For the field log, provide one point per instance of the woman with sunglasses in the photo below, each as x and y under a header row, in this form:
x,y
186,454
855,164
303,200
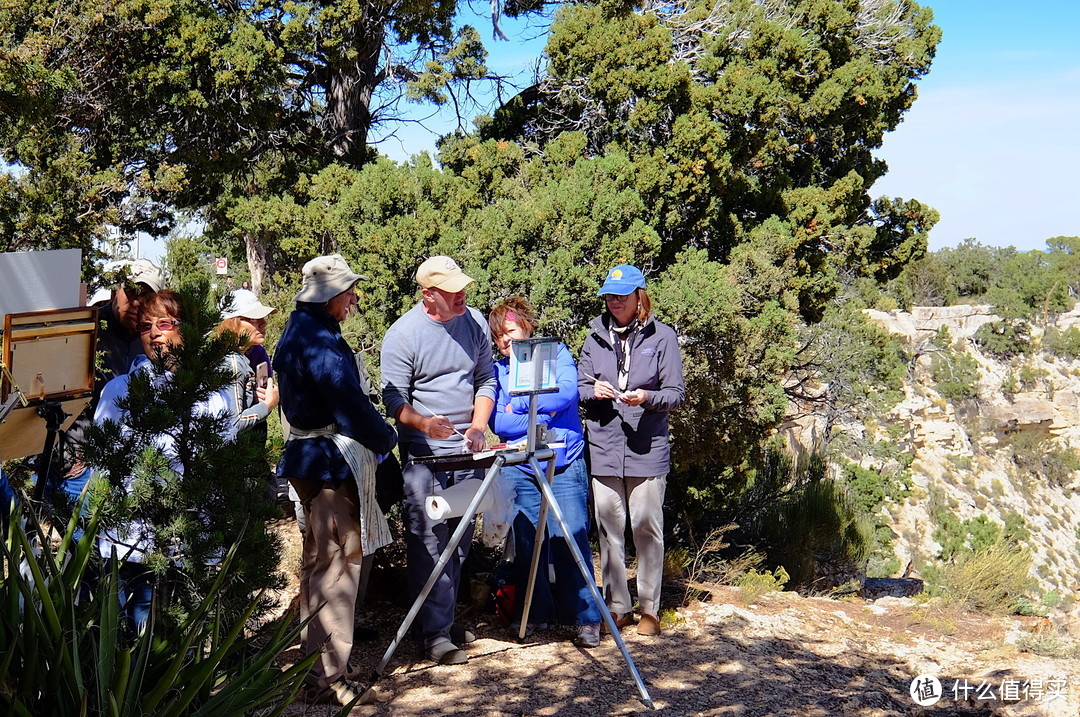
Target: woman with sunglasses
x,y
253,394
159,331
629,379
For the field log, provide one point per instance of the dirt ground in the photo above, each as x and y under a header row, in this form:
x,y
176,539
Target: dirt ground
x,y
733,654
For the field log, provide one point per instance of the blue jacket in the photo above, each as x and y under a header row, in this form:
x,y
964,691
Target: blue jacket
x,y
319,384
557,410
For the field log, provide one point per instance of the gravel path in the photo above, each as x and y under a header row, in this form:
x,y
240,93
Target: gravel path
x,y
782,655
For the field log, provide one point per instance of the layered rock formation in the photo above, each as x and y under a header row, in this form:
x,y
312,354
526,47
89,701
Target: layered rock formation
x,y
996,454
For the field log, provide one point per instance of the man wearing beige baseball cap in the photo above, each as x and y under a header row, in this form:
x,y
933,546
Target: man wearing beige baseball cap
x,y
439,384
330,458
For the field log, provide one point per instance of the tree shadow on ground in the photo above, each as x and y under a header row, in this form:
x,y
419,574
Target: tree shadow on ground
x,y
710,670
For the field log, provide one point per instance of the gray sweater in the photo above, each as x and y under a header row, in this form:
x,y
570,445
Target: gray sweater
x,y
444,365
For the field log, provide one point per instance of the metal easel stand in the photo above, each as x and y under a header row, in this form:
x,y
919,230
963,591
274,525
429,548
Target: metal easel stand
x,y
590,580
531,455
444,559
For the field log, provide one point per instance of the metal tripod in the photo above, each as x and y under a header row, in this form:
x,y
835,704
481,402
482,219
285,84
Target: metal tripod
x,y
532,455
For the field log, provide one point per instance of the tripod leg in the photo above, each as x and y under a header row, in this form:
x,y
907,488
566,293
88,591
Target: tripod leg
x,y
590,580
541,529
444,559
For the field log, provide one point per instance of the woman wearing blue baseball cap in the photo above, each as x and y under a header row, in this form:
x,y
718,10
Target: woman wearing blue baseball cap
x,y
629,379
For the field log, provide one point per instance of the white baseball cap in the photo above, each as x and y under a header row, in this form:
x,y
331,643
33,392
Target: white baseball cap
x,y
246,305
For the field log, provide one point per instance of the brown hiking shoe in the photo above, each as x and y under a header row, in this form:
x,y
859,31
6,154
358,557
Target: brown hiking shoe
x,y
340,692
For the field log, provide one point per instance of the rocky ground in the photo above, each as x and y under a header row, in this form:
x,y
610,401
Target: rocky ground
x,y
740,655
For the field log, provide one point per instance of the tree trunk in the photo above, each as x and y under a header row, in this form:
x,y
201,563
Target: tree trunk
x,y
351,84
258,259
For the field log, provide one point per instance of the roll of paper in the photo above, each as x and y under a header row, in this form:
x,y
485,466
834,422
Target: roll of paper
x,y
454,501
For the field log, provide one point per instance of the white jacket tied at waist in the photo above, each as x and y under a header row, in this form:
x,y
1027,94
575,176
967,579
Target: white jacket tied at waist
x,y
374,530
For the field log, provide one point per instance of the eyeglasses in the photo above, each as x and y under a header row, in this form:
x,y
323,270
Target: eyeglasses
x,y
163,325
621,298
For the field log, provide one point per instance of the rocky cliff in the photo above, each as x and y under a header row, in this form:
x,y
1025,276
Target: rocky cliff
x,y
1007,450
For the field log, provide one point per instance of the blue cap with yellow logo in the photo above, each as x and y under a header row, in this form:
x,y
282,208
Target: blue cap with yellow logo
x,y
623,279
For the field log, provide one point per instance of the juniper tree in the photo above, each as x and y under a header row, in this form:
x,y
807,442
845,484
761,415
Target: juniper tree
x,y
211,496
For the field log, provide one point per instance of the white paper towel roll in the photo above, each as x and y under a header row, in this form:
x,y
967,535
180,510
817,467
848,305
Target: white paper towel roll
x,y
454,501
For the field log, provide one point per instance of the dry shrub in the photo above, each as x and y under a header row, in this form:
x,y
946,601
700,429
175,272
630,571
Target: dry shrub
x,y
1049,645
990,580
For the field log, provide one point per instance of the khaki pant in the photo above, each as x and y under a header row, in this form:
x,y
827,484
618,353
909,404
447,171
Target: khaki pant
x,y
643,499
329,573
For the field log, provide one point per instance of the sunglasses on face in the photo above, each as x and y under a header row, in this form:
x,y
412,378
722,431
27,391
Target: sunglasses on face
x,y
163,325
620,298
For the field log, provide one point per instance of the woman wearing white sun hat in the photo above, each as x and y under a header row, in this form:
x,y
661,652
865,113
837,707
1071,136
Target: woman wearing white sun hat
x,y
253,394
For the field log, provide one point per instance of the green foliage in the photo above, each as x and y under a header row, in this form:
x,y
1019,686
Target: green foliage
x,y
742,120
122,114
991,579
1015,531
972,268
862,367
1031,375
955,375
753,584
925,282
1063,343
1041,457
736,174
186,261
546,226
983,565
942,338
799,518
979,534
64,651
210,497
1004,339
735,349
1017,285
869,488
1010,385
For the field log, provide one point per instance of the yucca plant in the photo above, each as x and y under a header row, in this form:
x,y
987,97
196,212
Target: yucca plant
x,y
63,650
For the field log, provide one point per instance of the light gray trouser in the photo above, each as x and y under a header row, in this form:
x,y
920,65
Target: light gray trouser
x,y
645,499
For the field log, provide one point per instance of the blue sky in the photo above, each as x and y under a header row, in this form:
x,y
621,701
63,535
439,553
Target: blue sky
x,y
991,143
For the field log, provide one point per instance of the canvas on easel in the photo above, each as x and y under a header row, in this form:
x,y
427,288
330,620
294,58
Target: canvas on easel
x,y
48,356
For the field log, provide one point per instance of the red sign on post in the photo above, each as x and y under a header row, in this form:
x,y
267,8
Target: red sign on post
x,y
222,266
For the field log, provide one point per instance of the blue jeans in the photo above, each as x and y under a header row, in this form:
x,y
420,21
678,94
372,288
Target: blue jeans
x,y
7,498
136,590
71,487
570,601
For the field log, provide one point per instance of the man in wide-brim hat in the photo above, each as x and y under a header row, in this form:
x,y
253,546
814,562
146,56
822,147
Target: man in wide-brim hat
x,y
330,458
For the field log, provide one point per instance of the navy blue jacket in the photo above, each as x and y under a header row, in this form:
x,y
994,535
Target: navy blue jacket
x,y
319,384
